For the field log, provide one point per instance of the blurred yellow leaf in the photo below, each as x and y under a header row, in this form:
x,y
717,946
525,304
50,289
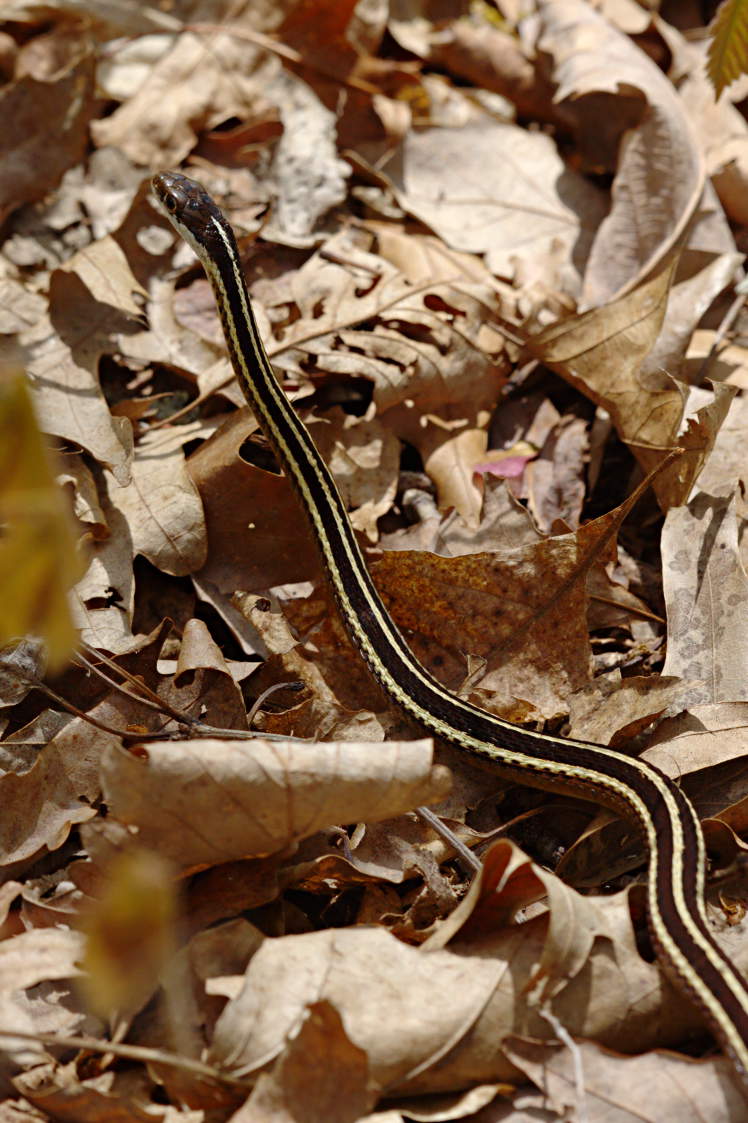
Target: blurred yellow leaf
x,y
38,558
129,933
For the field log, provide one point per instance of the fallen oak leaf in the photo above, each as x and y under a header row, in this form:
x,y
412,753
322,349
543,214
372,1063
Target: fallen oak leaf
x,y
524,611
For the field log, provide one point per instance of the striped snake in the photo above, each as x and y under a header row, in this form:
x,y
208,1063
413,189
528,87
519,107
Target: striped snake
x,y
677,917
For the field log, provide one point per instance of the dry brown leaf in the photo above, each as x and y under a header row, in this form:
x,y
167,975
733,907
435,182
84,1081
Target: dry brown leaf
x,y
428,347
102,602
501,608
554,481
601,353
363,456
54,98
322,1077
703,749
374,972
504,524
29,963
475,185
491,57
726,468
104,270
612,710
660,171
307,173
342,701
117,1097
63,374
528,595
161,506
43,804
157,126
424,349
203,682
254,525
708,264
74,470
425,259
507,883
166,340
229,890
19,307
201,803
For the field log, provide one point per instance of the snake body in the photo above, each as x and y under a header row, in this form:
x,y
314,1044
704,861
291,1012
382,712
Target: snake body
x,y
679,927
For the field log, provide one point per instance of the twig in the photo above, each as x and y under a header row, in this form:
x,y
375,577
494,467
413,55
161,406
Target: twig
x,y
132,1052
448,836
87,665
266,694
158,702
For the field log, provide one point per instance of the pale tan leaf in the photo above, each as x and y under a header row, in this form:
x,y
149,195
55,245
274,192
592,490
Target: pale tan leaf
x,y
167,340
507,883
162,506
204,802
428,346
102,601
202,680
726,465
601,354
307,170
124,1096
105,272
73,470
32,961
660,173
612,710
451,461
504,524
706,594
709,263
644,1089
63,374
704,736
157,127
475,186
19,307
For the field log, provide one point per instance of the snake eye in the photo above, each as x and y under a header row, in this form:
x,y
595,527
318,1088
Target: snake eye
x,y
171,204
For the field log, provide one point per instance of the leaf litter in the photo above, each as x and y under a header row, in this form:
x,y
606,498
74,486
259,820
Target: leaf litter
x,y
494,257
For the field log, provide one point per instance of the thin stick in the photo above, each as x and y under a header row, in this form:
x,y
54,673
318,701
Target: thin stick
x,y
132,1052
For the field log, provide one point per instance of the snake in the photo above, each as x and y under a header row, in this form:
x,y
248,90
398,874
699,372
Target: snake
x,y
679,928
